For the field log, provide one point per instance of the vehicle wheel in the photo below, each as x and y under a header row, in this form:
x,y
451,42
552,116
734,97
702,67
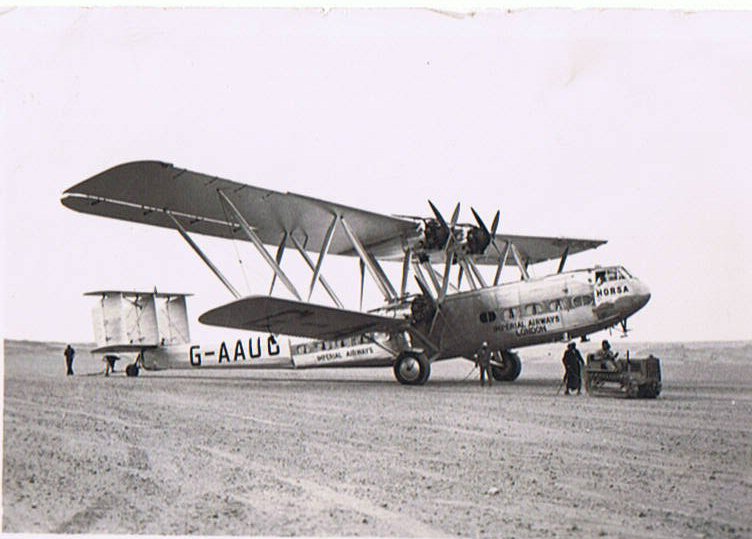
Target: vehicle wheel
x,y
412,369
131,370
649,391
510,368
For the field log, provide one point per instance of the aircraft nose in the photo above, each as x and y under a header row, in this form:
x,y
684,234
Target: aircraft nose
x,y
642,293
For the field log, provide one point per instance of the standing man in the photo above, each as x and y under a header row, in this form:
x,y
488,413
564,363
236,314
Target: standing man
x,y
483,361
110,364
69,354
573,364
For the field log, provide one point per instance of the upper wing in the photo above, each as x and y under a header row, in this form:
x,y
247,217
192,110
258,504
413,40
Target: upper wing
x,y
143,191
535,249
275,315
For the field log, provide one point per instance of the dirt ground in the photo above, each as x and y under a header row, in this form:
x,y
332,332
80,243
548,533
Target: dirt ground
x,y
351,452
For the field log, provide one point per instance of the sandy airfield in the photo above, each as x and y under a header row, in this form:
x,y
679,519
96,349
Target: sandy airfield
x,y
351,452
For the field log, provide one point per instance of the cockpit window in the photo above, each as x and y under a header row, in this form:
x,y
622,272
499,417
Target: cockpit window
x,y
610,274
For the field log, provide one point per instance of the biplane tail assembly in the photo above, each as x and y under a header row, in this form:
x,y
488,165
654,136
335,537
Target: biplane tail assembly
x,y
130,321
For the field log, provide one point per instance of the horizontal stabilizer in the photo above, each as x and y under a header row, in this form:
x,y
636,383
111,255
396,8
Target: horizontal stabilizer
x,y
122,348
275,315
136,293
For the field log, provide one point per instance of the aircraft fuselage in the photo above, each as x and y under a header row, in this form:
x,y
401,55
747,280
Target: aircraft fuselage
x,y
527,313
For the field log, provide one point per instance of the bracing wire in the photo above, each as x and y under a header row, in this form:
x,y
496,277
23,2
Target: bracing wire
x,y
234,244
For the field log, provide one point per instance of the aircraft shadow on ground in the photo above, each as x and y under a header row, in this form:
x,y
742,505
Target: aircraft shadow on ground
x,y
329,380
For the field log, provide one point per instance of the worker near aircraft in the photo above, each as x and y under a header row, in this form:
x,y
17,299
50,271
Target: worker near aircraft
x,y
607,355
573,364
110,364
483,362
69,354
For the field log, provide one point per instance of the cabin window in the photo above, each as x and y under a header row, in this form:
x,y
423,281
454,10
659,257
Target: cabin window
x,y
487,317
533,308
555,305
577,301
511,314
587,300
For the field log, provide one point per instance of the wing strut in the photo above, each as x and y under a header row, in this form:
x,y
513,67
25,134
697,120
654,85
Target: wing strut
x,y
323,281
563,259
322,254
476,271
432,274
470,277
278,258
259,245
373,268
502,262
421,280
405,270
520,264
200,253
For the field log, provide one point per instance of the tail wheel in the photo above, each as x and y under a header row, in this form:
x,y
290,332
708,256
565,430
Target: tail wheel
x,y
412,369
510,368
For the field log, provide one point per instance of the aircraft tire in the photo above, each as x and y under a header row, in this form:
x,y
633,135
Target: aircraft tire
x,y
131,370
412,369
511,368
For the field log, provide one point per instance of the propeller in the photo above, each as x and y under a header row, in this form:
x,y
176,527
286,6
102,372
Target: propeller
x,y
448,251
489,234
449,229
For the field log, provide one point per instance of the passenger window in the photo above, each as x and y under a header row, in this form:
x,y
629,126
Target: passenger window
x,y
577,301
554,305
483,318
511,314
587,300
533,308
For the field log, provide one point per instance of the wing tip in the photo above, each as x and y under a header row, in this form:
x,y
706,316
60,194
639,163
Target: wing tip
x,y
122,167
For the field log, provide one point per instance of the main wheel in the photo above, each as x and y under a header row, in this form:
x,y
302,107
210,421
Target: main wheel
x,y
510,368
131,369
412,369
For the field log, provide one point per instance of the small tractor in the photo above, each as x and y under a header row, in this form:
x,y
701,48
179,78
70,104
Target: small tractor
x,y
635,377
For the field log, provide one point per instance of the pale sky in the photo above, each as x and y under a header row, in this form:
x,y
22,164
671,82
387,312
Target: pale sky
x,y
630,126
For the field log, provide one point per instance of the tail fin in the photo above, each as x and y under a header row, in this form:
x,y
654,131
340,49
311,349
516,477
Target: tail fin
x,y
126,320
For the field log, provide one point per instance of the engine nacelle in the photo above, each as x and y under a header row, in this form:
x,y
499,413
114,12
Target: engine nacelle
x,y
422,310
434,236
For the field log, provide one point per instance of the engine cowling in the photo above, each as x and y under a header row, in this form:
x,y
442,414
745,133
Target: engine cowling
x,y
422,310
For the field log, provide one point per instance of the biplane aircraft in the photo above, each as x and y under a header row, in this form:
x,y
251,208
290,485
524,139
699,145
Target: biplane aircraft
x,y
413,329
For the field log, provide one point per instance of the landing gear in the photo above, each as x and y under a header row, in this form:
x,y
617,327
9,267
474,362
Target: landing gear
x,y
412,369
132,369
510,367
